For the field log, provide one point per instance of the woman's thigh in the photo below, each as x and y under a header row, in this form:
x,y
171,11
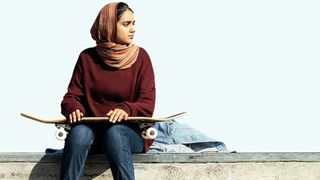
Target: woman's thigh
x,y
119,137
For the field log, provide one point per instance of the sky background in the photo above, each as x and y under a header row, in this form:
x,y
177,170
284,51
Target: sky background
x,y
247,72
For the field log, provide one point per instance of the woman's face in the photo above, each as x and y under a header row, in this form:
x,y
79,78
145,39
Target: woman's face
x,y
125,28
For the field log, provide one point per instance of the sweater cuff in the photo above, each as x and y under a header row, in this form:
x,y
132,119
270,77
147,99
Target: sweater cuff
x,y
70,109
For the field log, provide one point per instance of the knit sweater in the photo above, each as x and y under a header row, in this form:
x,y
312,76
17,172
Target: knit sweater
x,y
96,88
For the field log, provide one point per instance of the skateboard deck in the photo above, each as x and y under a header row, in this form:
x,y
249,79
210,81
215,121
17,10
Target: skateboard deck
x,y
147,131
137,119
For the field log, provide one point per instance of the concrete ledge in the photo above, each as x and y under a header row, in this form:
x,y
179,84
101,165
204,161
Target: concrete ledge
x,y
173,166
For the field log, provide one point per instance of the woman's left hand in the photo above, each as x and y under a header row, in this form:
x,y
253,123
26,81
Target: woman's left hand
x,y
117,115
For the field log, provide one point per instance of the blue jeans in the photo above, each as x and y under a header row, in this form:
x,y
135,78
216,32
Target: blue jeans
x,y
181,138
117,141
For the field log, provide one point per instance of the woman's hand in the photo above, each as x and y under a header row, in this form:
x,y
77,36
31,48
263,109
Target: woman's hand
x,y
75,116
117,115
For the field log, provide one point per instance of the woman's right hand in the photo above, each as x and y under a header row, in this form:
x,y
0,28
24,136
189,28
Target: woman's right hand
x,y
75,116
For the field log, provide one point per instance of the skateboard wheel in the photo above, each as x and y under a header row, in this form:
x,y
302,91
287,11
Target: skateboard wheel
x,y
61,134
151,133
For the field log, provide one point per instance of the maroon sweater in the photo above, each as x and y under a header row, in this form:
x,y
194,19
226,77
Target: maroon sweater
x,y
96,88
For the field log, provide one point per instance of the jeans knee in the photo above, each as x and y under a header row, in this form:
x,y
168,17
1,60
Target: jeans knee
x,y
80,136
115,138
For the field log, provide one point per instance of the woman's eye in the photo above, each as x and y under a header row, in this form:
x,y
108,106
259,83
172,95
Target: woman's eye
x,y
126,24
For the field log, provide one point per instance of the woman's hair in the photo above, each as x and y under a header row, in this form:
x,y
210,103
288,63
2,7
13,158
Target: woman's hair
x,y
122,7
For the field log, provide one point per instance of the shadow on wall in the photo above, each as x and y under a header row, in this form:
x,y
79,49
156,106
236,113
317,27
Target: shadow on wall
x,y
49,168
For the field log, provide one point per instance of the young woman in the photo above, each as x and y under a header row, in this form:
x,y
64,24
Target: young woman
x,y
115,79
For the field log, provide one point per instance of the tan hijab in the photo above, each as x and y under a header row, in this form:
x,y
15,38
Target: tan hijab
x,y
104,31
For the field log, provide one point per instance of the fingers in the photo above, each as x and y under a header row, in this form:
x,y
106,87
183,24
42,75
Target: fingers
x,y
109,113
75,116
117,115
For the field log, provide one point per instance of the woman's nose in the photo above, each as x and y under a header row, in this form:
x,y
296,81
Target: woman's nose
x,y
132,29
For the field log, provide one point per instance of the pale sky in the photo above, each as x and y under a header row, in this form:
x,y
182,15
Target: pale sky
x,y
247,72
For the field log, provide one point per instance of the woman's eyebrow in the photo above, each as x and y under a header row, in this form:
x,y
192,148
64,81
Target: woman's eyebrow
x,y
128,22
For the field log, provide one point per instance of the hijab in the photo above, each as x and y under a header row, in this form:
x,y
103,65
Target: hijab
x,y
104,31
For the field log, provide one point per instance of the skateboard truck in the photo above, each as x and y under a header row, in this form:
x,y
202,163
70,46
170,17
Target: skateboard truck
x,y
62,131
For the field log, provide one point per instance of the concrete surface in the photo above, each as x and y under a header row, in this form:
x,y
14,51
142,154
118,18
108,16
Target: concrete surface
x,y
213,166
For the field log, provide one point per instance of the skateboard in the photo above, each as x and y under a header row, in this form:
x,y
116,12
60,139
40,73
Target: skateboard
x,y
145,123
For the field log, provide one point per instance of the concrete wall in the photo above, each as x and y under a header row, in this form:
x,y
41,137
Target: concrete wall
x,y
242,166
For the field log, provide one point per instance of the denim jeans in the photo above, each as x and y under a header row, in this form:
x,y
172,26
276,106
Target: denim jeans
x,y
175,137
117,141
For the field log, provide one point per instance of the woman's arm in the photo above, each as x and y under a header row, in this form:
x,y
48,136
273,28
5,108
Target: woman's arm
x,y
73,99
144,102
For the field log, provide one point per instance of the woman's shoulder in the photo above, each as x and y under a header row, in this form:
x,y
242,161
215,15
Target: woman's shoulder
x,y
142,51
88,56
143,54
90,50
143,60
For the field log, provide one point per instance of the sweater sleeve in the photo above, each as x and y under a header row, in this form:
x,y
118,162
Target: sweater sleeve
x,y
72,100
144,102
